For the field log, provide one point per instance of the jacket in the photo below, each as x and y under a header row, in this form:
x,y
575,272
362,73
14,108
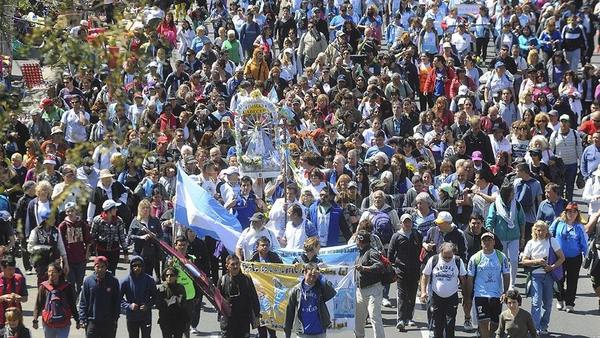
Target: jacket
x,y
404,253
100,299
573,243
141,246
70,299
76,237
175,313
370,258
337,223
499,227
311,44
140,290
406,127
325,292
455,236
272,257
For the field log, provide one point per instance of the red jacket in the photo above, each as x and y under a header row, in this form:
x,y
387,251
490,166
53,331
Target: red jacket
x,y
430,82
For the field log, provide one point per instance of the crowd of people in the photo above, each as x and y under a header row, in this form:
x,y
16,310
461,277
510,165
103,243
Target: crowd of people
x,y
448,137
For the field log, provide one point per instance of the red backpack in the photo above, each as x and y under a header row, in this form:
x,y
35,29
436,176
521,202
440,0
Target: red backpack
x,y
56,312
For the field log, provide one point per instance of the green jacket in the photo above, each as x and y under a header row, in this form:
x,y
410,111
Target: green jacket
x,y
499,226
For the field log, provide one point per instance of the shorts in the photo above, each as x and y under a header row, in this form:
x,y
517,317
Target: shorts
x,y
488,309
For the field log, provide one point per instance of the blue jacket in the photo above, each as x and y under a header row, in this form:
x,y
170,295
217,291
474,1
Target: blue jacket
x,y
573,243
244,209
99,300
140,290
337,223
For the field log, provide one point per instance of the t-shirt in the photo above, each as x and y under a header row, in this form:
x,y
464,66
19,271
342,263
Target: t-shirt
x,y
444,276
536,249
75,132
309,311
248,238
488,281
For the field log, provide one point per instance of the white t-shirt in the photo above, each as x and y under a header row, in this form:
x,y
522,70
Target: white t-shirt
x,y
444,277
75,132
295,235
248,238
536,249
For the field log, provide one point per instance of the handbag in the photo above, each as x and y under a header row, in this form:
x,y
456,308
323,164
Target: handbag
x,y
558,272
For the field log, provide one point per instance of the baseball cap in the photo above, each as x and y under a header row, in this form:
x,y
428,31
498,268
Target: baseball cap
x,y
50,160
109,204
405,217
477,156
162,139
443,217
487,234
231,171
499,64
572,206
352,184
70,205
56,130
46,102
553,112
100,259
564,117
341,78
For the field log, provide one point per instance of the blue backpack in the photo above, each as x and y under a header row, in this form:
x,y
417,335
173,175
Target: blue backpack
x,y
5,204
382,225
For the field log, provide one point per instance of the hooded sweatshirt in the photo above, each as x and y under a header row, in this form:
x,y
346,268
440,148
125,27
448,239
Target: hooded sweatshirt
x,y
140,290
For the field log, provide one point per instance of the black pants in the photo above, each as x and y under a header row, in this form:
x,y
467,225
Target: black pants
x,y
264,332
481,45
407,293
101,329
112,257
443,315
571,267
26,255
134,328
171,331
196,308
152,263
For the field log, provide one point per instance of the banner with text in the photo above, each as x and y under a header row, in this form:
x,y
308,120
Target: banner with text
x,y
274,282
333,255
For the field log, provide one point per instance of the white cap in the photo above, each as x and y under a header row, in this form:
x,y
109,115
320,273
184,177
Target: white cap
x,y
109,204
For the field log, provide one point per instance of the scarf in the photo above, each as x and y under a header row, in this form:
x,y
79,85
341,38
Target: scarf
x,y
501,211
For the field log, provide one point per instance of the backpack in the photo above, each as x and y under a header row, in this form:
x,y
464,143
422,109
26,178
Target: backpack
x,y
5,204
382,225
477,260
56,312
524,195
389,275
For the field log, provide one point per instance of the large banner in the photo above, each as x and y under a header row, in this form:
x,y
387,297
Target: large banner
x,y
334,255
273,283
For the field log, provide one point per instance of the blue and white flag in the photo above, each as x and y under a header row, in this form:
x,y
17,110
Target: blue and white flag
x,y
197,209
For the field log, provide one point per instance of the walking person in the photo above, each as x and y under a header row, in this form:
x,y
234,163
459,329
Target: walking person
x,y
570,234
46,246
76,238
100,302
369,289
170,299
138,294
536,256
488,279
307,314
514,321
56,303
403,252
238,289
439,284
108,232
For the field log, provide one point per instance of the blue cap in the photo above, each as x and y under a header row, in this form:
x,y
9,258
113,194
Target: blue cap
x,y
499,64
341,78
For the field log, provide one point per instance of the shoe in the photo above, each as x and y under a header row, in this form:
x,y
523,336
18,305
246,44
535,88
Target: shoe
x,y
431,334
569,308
560,305
543,331
386,302
194,330
410,323
400,326
467,325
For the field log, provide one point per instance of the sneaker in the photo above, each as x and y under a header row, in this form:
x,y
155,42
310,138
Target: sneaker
x,y
386,302
400,326
431,334
543,331
560,305
410,323
569,308
193,330
468,326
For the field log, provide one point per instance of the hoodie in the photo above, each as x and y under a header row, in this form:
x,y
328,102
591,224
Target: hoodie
x,y
140,290
99,299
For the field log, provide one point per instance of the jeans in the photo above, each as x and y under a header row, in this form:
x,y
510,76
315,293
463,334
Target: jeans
x,y
573,58
542,294
50,332
368,301
134,328
571,267
443,314
511,250
102,329
407,293
570,174
76,274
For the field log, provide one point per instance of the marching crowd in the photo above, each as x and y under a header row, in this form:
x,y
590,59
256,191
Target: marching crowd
x,y
451,163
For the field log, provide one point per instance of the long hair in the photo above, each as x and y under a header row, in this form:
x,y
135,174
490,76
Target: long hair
x,y
539,225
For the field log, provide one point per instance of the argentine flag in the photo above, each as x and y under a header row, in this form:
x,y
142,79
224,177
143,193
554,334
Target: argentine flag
x,y
197,209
